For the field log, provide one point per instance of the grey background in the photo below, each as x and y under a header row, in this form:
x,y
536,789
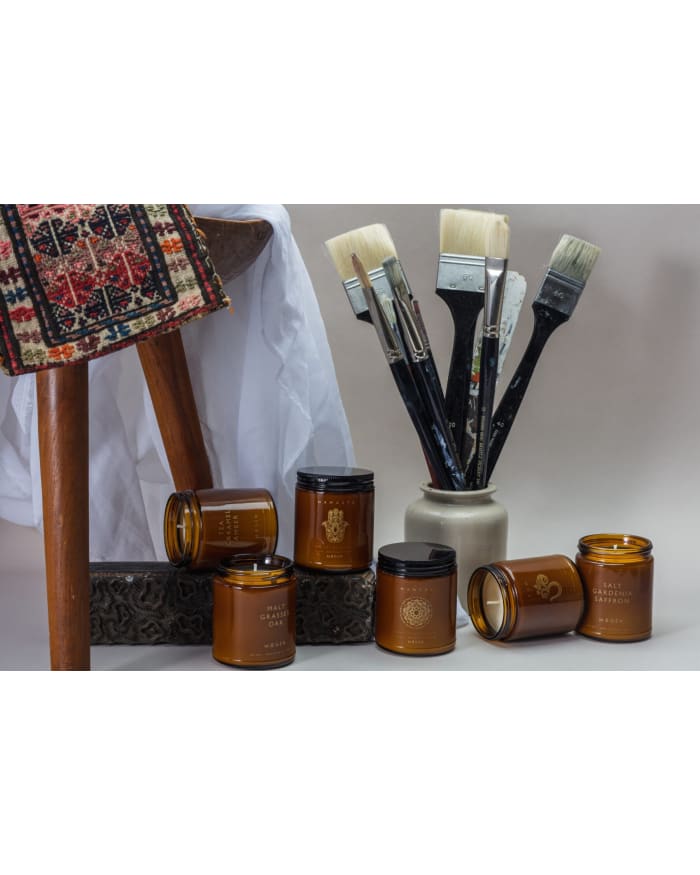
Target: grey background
x,y
605,441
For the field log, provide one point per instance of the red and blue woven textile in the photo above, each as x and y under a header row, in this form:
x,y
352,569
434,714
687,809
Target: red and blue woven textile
x,y
81,280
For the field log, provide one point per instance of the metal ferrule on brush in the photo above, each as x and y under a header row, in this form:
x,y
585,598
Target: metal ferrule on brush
x,y
386,330
402,293
356,296
496,269
415,348
463,273
560,292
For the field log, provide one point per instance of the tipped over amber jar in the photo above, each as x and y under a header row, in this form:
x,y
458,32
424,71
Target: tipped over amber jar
x,y
618,579
254,616
416,599
525,598
205,527
334,519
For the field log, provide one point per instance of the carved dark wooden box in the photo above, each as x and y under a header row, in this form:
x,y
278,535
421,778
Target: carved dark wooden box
x,y
154,603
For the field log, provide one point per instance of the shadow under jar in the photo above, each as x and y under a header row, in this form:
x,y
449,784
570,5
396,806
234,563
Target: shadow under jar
x,y
525,598
334,519
254,615
205,527
416,599
618,578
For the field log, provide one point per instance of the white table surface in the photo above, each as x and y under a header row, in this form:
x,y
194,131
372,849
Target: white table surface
x,y
675,644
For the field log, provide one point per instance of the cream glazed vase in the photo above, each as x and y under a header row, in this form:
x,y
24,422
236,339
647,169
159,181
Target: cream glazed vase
x,y
472,523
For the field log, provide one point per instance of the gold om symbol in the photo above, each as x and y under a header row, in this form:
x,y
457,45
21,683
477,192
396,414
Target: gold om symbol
x,y
544,587
335,526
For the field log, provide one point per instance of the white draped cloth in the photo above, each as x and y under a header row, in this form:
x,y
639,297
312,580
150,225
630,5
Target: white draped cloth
x,y
266,392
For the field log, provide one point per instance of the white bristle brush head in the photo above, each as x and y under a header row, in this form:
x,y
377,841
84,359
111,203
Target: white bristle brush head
x,y
467,232
575,258
498,238
372,244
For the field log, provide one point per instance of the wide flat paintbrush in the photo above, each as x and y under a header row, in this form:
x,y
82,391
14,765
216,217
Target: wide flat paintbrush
x,y
572,263
374,246
496,266
383,315
460,284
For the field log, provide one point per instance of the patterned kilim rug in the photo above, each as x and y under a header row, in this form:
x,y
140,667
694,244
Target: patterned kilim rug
x,y
81,280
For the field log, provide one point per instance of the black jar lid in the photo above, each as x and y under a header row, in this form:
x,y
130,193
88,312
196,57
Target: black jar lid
x,y
336,479
417,559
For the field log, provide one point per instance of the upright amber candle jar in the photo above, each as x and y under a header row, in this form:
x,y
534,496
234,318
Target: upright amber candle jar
x,y
416,599
525,598
334,519
254,618
205,527
618,579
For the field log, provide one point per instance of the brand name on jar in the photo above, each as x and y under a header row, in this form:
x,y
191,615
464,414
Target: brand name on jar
x,y
342,502
274,615
422,590
275,645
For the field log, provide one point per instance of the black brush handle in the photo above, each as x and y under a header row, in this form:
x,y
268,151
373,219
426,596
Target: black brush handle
x,y
487,394
546,321
434,388
415,406
439,427
465,308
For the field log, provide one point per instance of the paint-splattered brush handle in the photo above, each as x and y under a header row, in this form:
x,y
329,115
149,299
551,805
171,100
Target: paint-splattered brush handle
x,y
465,309
546,321
487,395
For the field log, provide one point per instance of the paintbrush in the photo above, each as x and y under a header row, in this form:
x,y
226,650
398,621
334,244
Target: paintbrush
x,y
460,284
383,316
373,246
516,289
417,349
496,266
571,265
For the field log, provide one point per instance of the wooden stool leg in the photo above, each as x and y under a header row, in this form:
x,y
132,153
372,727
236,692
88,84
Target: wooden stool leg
x,y
165,368
62,395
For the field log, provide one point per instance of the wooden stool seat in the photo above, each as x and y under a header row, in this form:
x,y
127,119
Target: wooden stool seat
x,y
62,398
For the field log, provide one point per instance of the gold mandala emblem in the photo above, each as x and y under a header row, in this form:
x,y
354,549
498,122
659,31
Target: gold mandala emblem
x,y
335,526
416,612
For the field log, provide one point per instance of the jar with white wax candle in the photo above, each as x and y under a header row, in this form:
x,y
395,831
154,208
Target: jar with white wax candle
x,y
525,598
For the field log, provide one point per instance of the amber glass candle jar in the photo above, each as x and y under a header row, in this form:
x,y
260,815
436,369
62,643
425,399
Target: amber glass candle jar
x,y
205,527
334,519
525,598
416,598
618,578
254,618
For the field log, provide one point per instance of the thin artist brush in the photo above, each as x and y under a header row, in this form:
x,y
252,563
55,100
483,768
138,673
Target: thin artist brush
x,y
374,246
383,316
460,284
497,250
572,263
420,361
